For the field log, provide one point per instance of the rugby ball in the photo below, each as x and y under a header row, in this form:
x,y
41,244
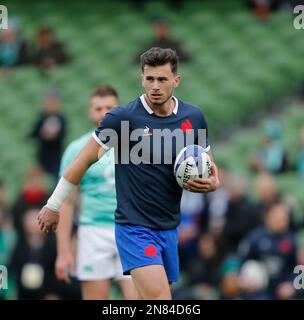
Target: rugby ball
x,y
192,162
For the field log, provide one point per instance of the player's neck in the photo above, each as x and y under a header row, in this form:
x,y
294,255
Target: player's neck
x,y
162,110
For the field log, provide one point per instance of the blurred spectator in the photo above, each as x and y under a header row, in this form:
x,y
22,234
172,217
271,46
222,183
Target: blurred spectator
x,y
203,271
2,196
241,216
217,203
162,39
192,205
13,49
229,284
33,195
49,131
301,154
7,232
262,8
32,264
49,52
267,193
253,280
272,156
275,247
266,190
8,238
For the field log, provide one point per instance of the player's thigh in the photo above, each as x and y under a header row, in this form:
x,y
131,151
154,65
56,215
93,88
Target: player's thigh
x,y
170,255
151,282
138,246
95,290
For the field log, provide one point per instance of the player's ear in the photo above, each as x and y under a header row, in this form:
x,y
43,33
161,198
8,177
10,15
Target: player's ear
x,y
177,80
142,80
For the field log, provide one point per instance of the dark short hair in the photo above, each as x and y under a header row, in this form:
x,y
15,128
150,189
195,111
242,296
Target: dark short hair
x,y
104,91
158,57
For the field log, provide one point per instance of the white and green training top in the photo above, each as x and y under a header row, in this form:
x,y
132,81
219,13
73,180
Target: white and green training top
x,y
97,187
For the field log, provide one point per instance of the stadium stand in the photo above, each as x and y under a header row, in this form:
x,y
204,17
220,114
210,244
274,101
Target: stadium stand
x,y
230,87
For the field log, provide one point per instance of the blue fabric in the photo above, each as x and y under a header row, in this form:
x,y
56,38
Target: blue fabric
x,y
147,193
140,246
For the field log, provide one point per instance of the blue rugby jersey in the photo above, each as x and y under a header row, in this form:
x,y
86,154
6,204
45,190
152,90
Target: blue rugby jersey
x,y
147,193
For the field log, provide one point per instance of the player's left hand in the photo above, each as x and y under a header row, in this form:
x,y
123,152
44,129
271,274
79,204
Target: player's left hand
x,y
202,185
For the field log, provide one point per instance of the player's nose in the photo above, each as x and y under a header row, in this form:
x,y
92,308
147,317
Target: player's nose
x,y
155,86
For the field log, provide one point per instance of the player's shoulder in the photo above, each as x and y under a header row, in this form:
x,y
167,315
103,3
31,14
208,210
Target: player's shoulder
x,y
132,106
190,108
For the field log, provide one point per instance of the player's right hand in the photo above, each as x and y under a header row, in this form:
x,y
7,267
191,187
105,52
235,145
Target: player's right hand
x,y
64,263
47,219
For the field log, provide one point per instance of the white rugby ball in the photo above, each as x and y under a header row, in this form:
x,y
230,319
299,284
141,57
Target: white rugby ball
x,y
192,162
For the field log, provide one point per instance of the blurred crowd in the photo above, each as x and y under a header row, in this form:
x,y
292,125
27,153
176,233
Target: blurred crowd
x,y
244,240
45,53
240,242
27,253
236,245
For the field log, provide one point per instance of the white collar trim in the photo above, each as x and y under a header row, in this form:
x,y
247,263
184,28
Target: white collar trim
x,y
150,111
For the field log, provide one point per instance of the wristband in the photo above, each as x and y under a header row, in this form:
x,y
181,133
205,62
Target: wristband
x,y
62,191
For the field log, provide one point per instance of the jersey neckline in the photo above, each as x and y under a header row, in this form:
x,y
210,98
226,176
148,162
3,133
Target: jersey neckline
x,y
150,111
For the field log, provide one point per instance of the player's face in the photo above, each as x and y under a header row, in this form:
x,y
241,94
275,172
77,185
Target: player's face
x,y
100,106
159,83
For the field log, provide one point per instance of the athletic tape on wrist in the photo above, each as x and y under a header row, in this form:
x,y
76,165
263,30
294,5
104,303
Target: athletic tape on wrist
x,y
62,191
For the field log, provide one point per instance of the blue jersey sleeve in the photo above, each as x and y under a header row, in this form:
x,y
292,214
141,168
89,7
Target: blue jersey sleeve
x,y
108,132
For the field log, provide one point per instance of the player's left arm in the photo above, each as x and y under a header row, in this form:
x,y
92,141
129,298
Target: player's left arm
x,y
203,185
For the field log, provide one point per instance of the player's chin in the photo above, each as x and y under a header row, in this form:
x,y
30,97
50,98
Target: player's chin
x,y
159,100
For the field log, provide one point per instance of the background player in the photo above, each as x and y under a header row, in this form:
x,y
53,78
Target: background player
x,y
97,256
148,210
